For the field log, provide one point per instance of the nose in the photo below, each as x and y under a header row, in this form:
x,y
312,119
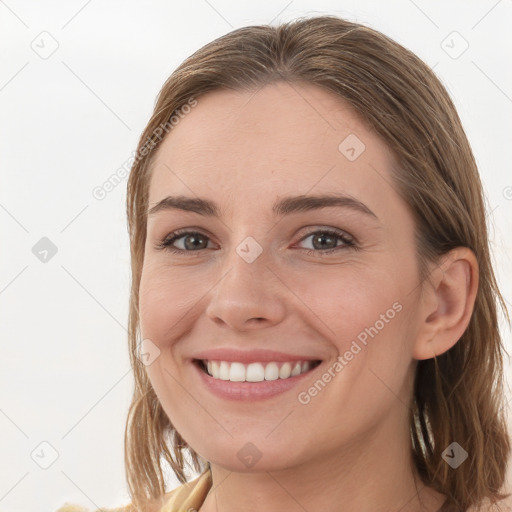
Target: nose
x,y
248,295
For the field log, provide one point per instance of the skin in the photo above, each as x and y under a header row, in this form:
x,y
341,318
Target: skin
x,y
349,447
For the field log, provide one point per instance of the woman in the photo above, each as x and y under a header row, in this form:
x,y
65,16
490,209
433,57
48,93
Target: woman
x,y
313,316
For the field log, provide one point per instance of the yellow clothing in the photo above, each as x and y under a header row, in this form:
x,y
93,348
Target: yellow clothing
x,y
186,498
190,496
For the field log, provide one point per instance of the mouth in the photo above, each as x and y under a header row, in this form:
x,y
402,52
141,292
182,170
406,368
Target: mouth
x,y
235,371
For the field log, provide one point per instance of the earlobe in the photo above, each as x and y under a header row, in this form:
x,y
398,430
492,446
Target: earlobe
x,y
449,293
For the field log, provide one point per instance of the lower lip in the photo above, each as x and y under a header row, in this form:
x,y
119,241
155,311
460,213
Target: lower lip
x,y
250,390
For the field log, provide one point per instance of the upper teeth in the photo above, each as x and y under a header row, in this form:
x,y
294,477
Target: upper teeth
x,y
255,372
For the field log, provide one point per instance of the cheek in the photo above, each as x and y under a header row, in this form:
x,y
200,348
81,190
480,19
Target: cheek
x,y
168,306
164,313
365,317
165,301
350,303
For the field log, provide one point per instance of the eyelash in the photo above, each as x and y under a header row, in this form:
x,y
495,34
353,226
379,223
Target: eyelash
x,y
348,242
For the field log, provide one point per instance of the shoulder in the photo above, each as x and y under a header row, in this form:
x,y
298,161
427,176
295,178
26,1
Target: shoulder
x,y
190,494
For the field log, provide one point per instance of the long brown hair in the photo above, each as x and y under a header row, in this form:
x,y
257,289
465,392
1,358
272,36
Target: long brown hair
x,y
458,396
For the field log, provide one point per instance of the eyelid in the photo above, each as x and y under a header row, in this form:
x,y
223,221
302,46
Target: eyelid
x,y
348,240
311,230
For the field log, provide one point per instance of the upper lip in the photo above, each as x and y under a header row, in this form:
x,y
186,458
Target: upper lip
x,y
250,356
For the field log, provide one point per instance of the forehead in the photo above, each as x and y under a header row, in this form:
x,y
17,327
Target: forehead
x,y
278,138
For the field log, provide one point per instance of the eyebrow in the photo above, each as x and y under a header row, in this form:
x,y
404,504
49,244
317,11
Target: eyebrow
x,y
284,206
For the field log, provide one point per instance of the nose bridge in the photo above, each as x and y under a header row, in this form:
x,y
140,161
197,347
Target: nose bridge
x,y
245,268
250,240
247,288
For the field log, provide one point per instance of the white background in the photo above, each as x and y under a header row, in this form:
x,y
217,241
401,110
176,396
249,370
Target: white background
x,y
70,120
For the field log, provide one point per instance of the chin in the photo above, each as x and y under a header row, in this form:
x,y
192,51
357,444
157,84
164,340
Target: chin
x,y
245,456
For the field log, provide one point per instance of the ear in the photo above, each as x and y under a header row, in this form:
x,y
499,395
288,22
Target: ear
x,y
448,298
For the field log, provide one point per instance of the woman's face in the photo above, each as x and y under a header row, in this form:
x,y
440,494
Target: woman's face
x,y
254,283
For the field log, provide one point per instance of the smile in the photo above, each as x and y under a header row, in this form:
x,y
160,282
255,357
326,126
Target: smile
x,y
256,371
